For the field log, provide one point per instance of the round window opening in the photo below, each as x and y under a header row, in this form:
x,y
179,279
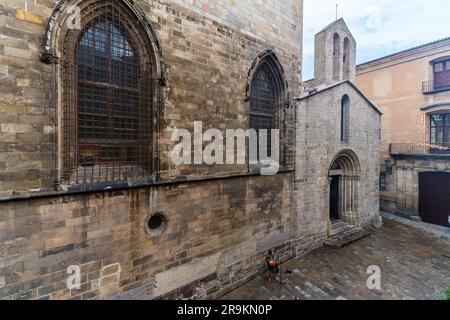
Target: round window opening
x,y
156,224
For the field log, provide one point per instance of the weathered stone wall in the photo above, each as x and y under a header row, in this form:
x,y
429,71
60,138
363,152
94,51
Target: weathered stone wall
x,y
208,48
319,142
215,236
26,116
218,229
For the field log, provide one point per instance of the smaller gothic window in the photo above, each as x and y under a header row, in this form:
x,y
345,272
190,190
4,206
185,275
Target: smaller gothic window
x,y
263,103
266,93
345,118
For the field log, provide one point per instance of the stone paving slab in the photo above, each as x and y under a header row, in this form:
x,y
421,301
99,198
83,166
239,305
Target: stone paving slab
x,y
415,265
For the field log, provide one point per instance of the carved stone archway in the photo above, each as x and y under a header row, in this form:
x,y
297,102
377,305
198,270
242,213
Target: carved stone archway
x,y
346,168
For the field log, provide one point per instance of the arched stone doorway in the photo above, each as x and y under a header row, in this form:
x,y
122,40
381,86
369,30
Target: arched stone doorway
x,y
344,174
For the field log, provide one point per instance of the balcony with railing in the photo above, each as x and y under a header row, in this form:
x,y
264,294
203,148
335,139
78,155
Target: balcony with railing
x,y
432,86
418,150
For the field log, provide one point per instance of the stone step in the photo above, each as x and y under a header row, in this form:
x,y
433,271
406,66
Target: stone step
x,y
337,225
340,227
346,238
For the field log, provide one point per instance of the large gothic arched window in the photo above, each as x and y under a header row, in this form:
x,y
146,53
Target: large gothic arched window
x,y
108,97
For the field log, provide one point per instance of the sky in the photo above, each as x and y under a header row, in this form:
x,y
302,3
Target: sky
x,y
380,27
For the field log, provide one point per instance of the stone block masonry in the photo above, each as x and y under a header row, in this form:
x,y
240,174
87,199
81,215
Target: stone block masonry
x,y
215,222
208,49
319,120
216,230
215,238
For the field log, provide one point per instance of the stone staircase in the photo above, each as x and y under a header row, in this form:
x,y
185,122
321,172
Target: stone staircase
x,y
343,234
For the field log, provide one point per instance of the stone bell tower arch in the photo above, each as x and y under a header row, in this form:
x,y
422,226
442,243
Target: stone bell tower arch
x,y
335,54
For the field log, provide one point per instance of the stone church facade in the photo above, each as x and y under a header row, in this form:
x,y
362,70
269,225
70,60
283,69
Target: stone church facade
x,y
338,141
87,111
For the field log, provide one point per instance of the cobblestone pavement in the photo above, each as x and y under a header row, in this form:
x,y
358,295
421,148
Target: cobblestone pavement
x,y
414,265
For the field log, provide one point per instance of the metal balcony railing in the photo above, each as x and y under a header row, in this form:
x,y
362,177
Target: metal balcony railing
x,y
412,149
432,86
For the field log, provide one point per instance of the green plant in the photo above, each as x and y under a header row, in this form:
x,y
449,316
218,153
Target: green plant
x,y
447,294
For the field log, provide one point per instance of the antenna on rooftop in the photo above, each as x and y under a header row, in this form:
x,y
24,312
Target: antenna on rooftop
x,y
337,11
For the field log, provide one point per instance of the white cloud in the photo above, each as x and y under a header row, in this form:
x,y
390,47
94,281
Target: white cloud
x,y
380,27
373,21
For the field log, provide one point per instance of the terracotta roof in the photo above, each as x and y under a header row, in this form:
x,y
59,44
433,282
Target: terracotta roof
x,y
429,44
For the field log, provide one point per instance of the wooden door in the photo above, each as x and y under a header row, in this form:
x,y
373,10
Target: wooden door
x,y
434,198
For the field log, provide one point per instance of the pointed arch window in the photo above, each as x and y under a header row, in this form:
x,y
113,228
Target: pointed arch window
x,y
109,105
345,119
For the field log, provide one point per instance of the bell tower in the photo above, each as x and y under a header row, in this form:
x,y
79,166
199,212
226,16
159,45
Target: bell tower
x,y
335,54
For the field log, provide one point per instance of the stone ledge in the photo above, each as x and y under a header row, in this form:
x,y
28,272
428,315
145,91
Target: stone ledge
x,y
107,187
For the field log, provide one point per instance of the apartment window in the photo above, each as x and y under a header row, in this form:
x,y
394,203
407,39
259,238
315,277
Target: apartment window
x,y
440,130
441,74
108,98
439,67
447,65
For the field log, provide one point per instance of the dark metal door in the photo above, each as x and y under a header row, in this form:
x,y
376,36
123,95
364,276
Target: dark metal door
x,y
434,198
334,199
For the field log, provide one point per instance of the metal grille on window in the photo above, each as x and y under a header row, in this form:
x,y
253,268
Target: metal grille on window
x,y
264,101
440,130
383,182
108,99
